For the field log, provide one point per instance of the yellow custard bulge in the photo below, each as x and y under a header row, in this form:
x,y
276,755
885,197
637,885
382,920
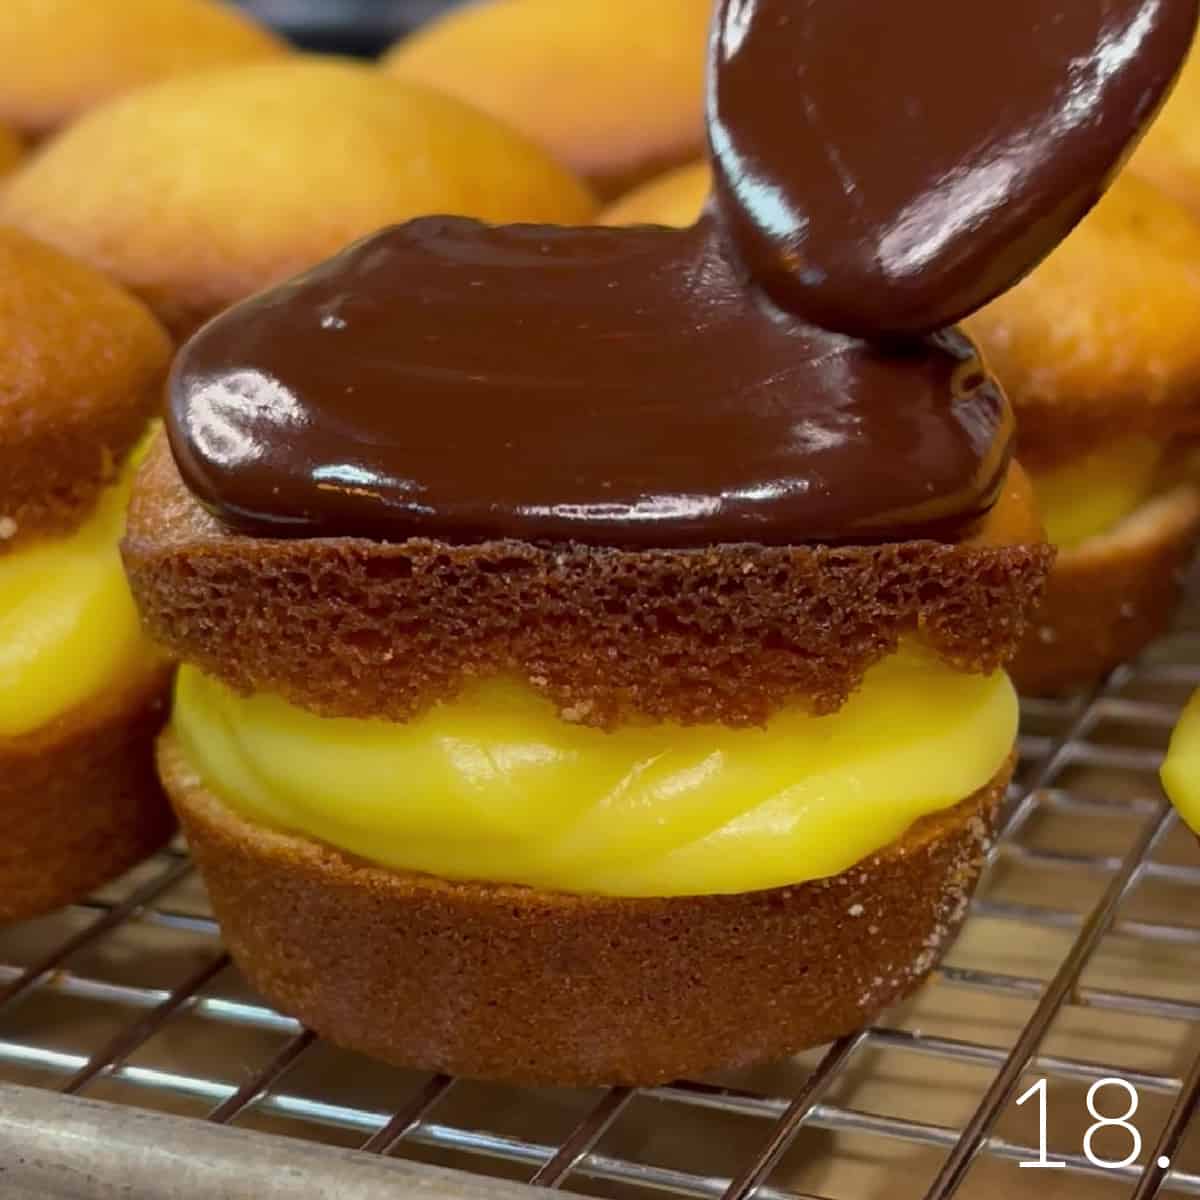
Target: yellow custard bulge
x,y
1181,770
68,626
496,786
1091,495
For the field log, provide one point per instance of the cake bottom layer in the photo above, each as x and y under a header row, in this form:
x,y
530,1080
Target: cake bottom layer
x,y
505,982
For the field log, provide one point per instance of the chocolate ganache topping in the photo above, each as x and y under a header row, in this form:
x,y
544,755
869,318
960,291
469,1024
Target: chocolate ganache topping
x,y
452,380
670,388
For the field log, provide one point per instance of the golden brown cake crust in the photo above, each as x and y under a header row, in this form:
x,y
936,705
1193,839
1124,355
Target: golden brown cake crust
x,y
80,801
350,627
81,371
1112,596
495,981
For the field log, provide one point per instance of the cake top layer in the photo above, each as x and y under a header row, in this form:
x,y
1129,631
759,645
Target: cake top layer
x,y
661,389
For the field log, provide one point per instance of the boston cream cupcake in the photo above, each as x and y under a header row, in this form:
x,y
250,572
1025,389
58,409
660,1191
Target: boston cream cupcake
x,y
171,191
81,695
63,57
1098,352
612,88
594,637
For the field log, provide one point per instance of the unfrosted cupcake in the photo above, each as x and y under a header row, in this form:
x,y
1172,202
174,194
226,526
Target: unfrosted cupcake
x,y
64,57
197,192
612,88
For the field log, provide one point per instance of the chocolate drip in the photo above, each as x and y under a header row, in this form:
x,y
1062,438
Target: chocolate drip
x,y
887,168
602,386
882,167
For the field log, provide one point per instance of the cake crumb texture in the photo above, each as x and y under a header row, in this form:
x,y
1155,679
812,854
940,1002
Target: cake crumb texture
x,y
358,628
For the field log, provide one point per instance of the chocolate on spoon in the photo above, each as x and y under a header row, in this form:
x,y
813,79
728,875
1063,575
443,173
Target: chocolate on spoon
x,y
887,167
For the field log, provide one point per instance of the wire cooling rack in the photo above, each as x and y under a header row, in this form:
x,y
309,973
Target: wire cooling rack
x,y
130,1048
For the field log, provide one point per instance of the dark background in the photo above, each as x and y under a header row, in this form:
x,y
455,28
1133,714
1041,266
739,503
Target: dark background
x,y
347,26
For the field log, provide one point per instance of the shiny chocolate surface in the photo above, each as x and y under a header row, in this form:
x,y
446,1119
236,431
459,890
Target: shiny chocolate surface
x,y
887,167
605,386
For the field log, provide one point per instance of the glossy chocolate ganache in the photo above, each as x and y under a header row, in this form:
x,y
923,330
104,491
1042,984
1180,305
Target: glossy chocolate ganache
x,y
654,388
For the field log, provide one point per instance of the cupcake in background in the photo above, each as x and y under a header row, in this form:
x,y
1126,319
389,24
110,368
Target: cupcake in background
x,y
82,694
63,57
197,192
613,88
1098,352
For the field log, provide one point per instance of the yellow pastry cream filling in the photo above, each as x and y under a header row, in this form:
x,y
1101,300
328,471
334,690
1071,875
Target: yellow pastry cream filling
x,y
1181,770
68,626
1090,495
496,786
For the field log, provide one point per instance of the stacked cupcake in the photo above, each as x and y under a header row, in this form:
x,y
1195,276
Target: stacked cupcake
x,y
593,635
593,638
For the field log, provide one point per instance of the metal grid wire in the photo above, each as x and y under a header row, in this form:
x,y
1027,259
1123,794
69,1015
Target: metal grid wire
x,y
130,998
